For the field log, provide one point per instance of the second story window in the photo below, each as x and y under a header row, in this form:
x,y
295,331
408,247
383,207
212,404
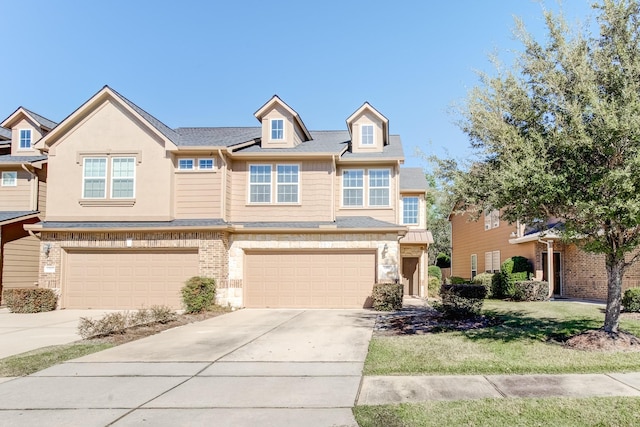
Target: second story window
x,y
491,219
205,164
409,210
185,164
115,178
122,177
25,139
9,179
260,183
277,129
353,187
367,135
94,182
287,183
379,187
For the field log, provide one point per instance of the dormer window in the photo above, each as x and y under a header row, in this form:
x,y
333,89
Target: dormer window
x,y
25,139
277,129
367,135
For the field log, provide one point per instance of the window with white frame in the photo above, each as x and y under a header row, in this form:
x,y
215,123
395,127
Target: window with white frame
x,y
260,183
25,139
474,265
94,178
195,164
409,210
379,187
9,179
186,164
277,129
491,219
123,177
492,262
287,183
353,187
366,135
205,164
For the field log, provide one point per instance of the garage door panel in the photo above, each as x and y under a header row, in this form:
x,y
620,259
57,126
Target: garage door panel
x,y
309,279
127,280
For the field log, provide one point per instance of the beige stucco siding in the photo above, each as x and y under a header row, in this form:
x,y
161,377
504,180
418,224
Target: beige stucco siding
x,y
197,195
109,130
17,198
314,194
382,213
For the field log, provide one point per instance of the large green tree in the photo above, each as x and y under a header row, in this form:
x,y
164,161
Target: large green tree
x,y
558,135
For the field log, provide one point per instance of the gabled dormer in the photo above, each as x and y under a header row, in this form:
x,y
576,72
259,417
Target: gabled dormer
x,y
369,130
281,125
27,128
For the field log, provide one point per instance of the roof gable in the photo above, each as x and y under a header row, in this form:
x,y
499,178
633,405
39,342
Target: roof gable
x,y
368,108
21,113
275,102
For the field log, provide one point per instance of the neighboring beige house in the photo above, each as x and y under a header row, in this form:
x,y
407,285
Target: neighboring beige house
x,y
279,215
23,171
484,244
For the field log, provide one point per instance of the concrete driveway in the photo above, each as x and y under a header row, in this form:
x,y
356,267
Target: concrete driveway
x,y
251,367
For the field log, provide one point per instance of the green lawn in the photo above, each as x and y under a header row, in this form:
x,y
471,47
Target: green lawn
x,y
557,412
528,341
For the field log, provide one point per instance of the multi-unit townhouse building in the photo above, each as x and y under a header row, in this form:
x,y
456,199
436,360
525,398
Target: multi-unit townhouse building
x,y
482,245
279,215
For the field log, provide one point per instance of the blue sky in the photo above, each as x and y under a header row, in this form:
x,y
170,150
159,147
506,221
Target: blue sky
x,y
214,63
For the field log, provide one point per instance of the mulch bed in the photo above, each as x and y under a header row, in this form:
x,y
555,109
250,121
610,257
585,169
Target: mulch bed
x,y
599,340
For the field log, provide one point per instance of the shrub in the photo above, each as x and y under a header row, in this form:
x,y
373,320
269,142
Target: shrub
x,y
162,314
434,271
631,300
484,279
462,301
517,264
531,290
29,300
433,287
109,324
513,269
198,294
455,280
387,296
443,260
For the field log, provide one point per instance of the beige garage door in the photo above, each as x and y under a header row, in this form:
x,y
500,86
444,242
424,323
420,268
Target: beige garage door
x,y
127,279
309,280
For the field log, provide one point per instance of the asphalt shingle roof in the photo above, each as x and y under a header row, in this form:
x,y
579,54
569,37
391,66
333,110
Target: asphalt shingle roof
x,y
135,224
42,120
413,179
9,215
5,133
222,136
341,223
391,150
21,159
322,142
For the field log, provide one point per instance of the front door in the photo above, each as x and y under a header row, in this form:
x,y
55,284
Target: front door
x,y
557,277
410,275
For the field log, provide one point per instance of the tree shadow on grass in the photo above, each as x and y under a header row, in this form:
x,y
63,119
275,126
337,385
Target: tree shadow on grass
x,y
519,325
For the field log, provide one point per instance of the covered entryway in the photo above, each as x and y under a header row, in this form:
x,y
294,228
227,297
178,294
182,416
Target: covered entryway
x,y
309,279
126,279
410,276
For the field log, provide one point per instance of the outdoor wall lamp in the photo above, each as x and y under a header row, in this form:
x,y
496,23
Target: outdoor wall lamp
x,y
46,249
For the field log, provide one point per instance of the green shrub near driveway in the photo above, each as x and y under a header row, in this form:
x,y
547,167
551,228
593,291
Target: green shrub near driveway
x,y
462,301
387,296
531,290
199,294
631,300
29,300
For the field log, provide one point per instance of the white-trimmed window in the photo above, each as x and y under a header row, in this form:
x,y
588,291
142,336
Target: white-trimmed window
x,y
474,265
205,164
492,262
186,164
410,210
9,179
123,177
353,187
260,183
277,129
94,178
366,135
287,183
25,139
491,219
379,187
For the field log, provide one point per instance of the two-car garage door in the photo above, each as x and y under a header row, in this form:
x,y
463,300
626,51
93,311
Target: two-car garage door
x,y
320,279
127,279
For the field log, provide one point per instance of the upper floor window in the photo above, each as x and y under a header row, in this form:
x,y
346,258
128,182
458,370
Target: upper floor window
x,y
353,187
379,187
122,177
9,179
95,173
277,129
25,139
409,210
491,219
260,183
367,135
185,164
195,164
205,164
287,183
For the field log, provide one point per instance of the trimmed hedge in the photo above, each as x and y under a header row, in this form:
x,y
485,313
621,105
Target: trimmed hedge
x,y
30,300
531,290
387,296
485,280
455,280
514,269
434,271
631,300
199,294
433,287
462,301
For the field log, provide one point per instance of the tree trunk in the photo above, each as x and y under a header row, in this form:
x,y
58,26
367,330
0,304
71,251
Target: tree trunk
x,y
615,270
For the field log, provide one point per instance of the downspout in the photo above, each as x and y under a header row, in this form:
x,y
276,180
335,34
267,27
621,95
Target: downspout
x,y
34,188
550,269
334,178
223,192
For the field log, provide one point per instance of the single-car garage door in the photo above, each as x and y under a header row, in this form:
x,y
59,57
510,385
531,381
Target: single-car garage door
x,y
127,279
322,279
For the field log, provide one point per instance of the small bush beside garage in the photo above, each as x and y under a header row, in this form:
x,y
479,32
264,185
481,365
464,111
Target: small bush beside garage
x,y
29,300
387,296
199,294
